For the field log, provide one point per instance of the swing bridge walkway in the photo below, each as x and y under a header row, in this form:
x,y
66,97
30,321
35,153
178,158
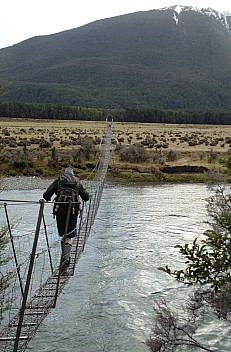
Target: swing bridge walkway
x,y
32,278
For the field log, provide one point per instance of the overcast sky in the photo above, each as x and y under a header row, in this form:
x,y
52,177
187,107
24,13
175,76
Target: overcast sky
x,y
23,19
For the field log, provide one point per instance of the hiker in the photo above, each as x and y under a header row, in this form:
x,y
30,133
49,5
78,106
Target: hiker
x,y
67,188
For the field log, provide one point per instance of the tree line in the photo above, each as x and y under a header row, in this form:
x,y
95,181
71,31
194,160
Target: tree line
x,y
146,115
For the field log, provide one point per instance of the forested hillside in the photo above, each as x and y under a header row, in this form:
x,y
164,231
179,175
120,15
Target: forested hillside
x,y
155,59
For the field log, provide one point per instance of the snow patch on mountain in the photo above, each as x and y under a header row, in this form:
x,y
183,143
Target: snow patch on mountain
x,y
178,9
223,17
175,18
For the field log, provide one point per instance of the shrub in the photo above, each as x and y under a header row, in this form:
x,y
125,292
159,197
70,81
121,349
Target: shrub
x,y
41,155
87,150
207,264
133,153
44,144
77,155
171,155
212,156
156,157
53,159
21,158
5,157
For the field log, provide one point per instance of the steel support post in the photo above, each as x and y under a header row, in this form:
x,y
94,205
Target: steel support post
x,y
29,275
13,248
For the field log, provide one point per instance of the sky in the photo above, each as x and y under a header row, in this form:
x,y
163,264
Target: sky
x,y
23,19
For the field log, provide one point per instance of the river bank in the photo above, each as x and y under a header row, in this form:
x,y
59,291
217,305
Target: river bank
x,y
121,172
21,182
139,152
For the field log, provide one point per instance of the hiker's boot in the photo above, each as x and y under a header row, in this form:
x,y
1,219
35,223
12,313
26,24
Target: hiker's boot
x,y
66,257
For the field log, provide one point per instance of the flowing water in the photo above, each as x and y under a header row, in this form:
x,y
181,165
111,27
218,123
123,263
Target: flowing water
x,y
108,304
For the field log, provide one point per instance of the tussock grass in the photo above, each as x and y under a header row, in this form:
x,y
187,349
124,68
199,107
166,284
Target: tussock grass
x,y
28,147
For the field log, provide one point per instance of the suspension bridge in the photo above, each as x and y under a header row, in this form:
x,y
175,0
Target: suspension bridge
x,y
31,278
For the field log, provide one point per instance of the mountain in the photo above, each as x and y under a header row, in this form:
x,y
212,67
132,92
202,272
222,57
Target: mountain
x,y
175,58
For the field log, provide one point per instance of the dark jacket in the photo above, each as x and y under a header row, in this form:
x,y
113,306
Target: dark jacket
x,y
53,189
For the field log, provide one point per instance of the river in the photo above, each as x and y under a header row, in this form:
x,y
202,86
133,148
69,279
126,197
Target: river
x,y
108,304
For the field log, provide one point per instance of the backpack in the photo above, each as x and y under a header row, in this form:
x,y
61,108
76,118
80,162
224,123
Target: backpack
x,y
67,193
